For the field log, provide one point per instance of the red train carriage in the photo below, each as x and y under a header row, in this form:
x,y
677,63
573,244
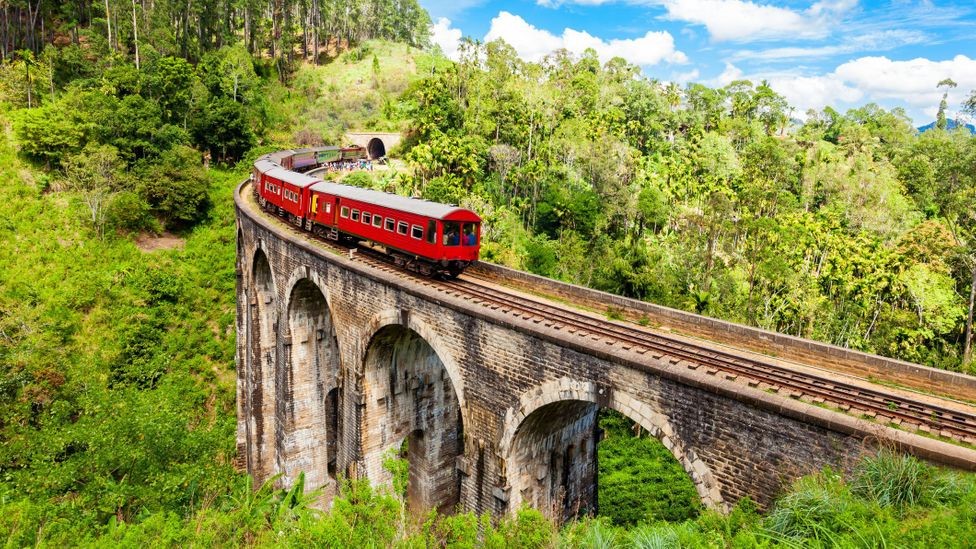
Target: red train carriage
x,y
283,190
422,235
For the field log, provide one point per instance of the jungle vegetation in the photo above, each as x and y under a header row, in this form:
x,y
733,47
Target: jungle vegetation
x,y
123,118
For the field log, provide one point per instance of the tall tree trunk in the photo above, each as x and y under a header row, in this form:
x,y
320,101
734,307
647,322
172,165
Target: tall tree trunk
x,y
967,344
315,31
108,21
135,33
27,68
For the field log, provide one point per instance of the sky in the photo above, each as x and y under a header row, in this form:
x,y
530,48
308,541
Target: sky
x,y
841,53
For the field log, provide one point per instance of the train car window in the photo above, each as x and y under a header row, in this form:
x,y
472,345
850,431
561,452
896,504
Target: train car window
x,y
402,227
377,220
355,215
452,233
470,234
344,212
367,218
432,231
390,224
417,232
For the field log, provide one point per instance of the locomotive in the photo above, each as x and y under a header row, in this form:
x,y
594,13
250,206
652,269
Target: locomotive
x,y
419,235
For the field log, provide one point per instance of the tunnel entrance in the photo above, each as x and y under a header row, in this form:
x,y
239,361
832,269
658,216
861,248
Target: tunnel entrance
x,y
572,458
376,149
411,401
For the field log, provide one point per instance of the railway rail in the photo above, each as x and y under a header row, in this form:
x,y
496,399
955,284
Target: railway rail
x,y
887,408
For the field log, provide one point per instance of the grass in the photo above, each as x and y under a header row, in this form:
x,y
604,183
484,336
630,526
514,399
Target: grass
x,y
639,479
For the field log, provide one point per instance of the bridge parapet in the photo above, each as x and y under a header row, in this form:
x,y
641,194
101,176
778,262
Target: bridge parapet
x,y
773,344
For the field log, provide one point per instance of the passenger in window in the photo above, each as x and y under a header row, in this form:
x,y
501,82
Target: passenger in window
x,y
470,239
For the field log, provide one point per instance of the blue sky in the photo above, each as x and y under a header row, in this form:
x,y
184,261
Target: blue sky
x,y
843,53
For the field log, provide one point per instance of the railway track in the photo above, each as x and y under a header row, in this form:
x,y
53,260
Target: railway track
x,y
886,408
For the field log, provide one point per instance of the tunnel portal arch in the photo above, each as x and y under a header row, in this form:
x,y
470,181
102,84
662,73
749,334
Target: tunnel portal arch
x,y
376,148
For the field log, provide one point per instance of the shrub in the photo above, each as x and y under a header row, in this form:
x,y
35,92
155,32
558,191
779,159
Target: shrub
x,y
893,480
813,510
177,188
130,212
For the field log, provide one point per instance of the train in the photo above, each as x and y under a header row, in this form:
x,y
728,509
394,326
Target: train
x,y
431,238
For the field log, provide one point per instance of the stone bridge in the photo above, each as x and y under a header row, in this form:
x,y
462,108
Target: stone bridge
x,y
339,364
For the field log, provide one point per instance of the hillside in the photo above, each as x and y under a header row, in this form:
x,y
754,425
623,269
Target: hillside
x,y
359,90
951,124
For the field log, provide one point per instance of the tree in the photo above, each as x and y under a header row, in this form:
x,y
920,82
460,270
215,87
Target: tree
x,y
176,188
969,105
169,81
940,121
222,128
49,133
95,174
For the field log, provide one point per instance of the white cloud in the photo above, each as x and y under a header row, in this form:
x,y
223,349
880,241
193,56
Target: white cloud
x,y
446,37
530,42
743,20
911,84
814,92
913,81
533,43
730,74
874,41
685,77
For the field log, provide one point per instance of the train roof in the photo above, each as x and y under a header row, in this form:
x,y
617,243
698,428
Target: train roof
x,y
292,178
264,165
417,206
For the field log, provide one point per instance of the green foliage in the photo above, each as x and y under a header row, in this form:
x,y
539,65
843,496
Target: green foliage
x,y
177,188
48,133
640,480
399,467
896,480
129,212
222,129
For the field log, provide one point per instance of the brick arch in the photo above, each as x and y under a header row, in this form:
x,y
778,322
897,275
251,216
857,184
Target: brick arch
x,y
409,391
260,364
567,390
309,372
395,317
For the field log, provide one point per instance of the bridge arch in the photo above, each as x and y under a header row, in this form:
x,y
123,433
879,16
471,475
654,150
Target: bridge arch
x,y
528,429
307,400
261,363
410,392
